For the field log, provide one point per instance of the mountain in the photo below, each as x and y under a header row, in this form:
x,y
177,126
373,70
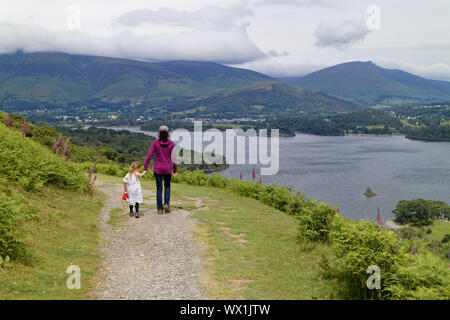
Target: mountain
x,y
59,78
53,80
369,84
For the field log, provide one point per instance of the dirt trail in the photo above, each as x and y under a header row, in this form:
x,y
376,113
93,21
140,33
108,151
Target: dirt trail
x,y
153,257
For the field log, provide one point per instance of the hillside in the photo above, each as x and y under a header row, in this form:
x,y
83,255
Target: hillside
x,y
51,86
369,84
59,78
268,99
48,221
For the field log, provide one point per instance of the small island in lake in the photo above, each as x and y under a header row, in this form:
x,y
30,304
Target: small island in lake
x,y
369,192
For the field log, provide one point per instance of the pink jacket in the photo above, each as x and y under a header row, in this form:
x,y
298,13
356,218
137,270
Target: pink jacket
x,y
165,158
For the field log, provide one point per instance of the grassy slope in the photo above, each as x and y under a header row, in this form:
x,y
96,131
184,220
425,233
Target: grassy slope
x,y
271,263
439,229
67,233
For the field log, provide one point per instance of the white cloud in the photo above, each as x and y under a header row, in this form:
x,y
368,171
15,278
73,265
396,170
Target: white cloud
x,y
292,2
437,71
234,17
340,34
211,33
280,67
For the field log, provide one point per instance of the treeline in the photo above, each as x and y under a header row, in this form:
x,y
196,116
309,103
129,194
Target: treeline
x,y
121,146
431,133
361,122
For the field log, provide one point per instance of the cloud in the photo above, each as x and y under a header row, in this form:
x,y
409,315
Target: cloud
x,y
437,71
208,34
280,67
291,2
340,34
234,17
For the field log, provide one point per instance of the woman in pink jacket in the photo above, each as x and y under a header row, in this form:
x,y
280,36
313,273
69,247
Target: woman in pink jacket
x,y
165,164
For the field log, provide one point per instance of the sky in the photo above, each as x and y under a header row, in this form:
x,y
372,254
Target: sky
x,y
275,37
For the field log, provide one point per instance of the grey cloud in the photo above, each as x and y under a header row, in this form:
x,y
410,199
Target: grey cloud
x,y
274,53
340,34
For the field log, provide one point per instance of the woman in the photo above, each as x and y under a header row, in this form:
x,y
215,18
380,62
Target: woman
x,y
165,164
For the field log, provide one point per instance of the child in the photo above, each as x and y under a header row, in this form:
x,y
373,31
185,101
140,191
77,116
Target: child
x,y
132,186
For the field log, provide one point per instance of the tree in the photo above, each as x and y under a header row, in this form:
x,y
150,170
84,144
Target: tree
x,y
420,212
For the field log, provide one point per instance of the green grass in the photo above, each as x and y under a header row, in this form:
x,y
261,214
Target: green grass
x,y
439,229
67,233
251,249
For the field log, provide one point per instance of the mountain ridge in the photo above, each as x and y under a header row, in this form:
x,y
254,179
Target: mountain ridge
x,y
369,84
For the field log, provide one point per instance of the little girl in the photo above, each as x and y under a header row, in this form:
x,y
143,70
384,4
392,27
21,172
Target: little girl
x,y
132,186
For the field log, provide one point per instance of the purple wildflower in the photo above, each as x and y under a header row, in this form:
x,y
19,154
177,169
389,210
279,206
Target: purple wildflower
x,y
95,179
95,167
338,210
413,250
8,120
54,146
59,142
240,176
65,147
253,173
24,128
69,156
260,180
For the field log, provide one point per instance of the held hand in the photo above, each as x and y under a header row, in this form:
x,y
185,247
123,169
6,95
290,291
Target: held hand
x,y
174,174
144,172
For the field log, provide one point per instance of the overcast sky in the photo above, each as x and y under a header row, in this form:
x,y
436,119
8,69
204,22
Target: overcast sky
x,y
276,37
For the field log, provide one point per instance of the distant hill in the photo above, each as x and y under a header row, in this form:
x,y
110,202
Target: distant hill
x,y
60,78
52,80
264,98
370,85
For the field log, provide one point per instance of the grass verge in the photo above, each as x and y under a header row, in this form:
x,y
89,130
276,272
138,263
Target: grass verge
x,y
65,233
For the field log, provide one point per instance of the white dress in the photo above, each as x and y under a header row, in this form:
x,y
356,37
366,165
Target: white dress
x,y
134,189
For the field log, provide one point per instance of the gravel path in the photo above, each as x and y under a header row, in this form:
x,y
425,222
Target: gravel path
x,y
153,257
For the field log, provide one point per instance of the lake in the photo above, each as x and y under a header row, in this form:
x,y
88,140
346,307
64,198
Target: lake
x,y
338,170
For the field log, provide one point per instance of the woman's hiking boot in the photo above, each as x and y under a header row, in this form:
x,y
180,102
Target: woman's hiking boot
x,y
166,208
160,211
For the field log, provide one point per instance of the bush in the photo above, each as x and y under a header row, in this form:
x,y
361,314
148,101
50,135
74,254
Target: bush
x,y
315,220
446,238
425,277
10,246
28,164
357,245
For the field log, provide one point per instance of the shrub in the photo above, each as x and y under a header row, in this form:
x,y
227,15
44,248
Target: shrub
x,y
357,245
10,245
315,220
446,238
424,277
28,164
